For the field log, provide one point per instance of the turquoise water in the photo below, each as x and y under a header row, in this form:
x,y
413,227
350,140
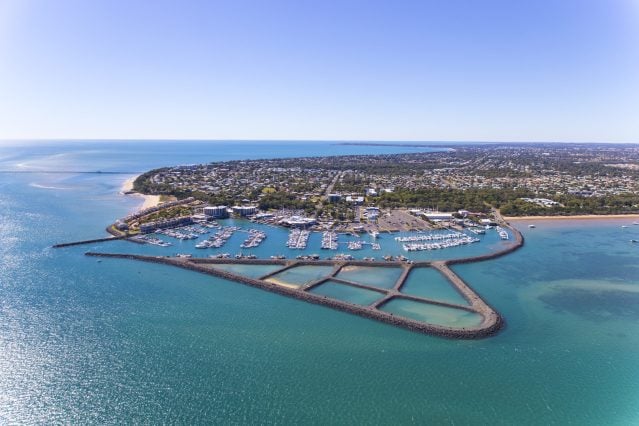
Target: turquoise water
x,y
433,314
251,271
346,293
376,277
125,342
300,275
429,283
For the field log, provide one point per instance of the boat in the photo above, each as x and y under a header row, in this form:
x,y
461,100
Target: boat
x,y
624,226
531,226
634,241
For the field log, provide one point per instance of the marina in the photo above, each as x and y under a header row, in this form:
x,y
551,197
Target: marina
x,y
320,281
219,239
453,242
298,238
329,240
267,241
254,239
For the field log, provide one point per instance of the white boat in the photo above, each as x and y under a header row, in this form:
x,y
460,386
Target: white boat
x,y
531,226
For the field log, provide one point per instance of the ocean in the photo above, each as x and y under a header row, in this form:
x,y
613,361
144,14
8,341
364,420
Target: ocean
x,y
118,341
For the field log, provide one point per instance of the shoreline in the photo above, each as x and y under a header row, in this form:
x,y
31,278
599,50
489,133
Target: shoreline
x,y
149,200
575,217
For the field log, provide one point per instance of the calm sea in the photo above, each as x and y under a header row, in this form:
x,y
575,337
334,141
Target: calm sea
x,y
117,341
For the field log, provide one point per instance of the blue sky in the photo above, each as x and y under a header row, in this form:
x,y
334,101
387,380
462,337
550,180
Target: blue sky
x,y
560,70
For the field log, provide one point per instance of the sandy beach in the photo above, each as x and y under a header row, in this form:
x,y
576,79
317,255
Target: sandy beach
x,y
576,217
149,200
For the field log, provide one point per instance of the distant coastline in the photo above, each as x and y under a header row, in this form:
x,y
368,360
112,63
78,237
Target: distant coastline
x,y
410,145
575,217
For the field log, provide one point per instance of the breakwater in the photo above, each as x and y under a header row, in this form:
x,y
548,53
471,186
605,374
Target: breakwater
x,y
517,244
491,320
95,240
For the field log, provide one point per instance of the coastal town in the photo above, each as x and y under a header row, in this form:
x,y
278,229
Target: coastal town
x,y
430,200
570,179
378,193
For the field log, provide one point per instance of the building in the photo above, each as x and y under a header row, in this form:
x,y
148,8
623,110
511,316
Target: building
x,y
437,216
216,212
544,202
355,200
262,216
122,226
199,218
372,213
244,210
298,221
334,198
145,228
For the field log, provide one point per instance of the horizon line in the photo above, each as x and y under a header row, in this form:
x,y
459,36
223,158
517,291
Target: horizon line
x,y
311,140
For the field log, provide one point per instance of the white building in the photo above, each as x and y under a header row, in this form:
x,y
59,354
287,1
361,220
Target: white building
x,y
372,213
244,210
298,221
355,200
437,216
216,212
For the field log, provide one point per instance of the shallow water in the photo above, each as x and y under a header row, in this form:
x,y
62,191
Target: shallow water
x,y
433,314
429,283
251,271
346,293
382,277
300,275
